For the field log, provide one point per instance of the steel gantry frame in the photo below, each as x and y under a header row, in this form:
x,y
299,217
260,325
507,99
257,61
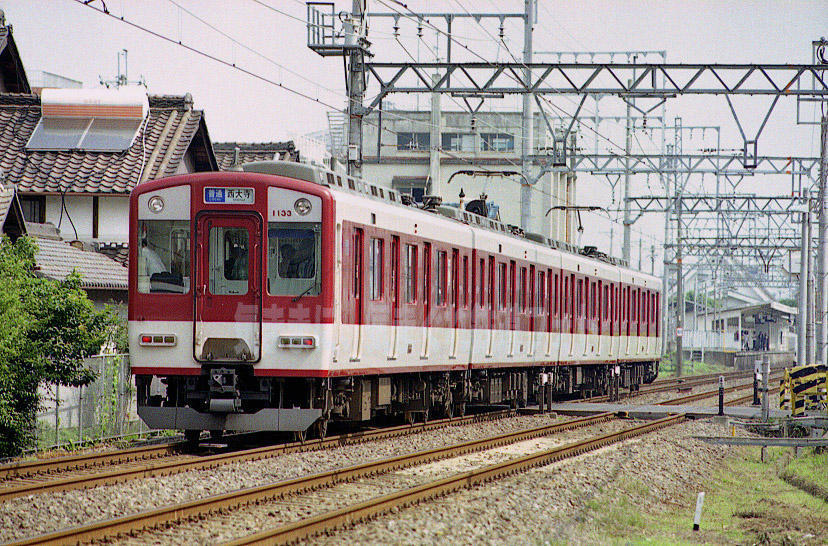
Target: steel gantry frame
x,y
628,81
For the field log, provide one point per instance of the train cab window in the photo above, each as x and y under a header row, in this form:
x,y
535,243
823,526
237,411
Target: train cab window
x,y
164,256
375,268
293,259
410,274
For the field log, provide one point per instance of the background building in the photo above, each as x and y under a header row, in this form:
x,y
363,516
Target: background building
x,y
423,153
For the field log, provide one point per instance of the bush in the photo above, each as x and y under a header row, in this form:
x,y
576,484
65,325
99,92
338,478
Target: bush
x,y
47,328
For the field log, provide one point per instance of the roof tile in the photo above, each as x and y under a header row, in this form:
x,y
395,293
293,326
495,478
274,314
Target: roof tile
x,y
78,171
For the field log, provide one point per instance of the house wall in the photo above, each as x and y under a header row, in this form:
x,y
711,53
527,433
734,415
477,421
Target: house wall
x,y
113,217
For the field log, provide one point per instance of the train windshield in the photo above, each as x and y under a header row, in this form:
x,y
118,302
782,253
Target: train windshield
x,y
293,258
164,256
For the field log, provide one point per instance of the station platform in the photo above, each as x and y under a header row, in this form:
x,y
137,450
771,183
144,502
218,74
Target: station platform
x,y
653,411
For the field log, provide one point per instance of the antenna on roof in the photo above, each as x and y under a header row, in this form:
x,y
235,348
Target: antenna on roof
x,y
122,79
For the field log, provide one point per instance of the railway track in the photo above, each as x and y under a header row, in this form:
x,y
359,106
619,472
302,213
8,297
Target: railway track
x,y
96,469
92,470
290,488
235,499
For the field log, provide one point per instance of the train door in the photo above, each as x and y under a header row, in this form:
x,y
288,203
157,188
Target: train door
x,y
394,296
359,304
533,312
512,305
426,298
228,294
454,294
494,295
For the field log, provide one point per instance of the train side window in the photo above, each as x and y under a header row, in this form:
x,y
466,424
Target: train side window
x,y
580,298
440,295
464,282
541,301
294,258
410,274
593,312
556,287
605,302
481,279
164,256
375,268
522,290
501,286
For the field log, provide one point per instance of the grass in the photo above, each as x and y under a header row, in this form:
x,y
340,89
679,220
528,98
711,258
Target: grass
x,y
667,368
746,502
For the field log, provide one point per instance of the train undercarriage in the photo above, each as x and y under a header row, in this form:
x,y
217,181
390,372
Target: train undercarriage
x,y
232,398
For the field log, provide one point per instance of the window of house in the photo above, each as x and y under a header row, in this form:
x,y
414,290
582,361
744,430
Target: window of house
x,y
414,141
458,142
375,268
410,274
497,142
34,208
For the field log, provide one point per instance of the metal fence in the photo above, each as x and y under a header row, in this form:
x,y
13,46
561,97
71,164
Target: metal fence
x,y
106,408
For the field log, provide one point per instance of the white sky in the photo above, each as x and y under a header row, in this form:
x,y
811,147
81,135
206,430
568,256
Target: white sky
x,y
66,38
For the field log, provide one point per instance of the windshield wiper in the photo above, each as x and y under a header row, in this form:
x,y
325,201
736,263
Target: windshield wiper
x,y
308,289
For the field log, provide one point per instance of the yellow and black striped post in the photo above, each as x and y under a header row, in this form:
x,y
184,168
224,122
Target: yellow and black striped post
x,y
806,386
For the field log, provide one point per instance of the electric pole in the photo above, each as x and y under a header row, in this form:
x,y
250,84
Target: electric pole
x,y
527,121
822,252
356,87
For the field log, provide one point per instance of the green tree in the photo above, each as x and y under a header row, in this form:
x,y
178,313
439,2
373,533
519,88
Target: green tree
x,y
790,302
47,328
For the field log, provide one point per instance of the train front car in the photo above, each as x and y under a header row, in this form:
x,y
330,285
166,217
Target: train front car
x,y
231,301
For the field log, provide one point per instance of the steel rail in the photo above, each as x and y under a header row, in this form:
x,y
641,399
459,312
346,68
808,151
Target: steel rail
x,y
19,469
194,462
232,500
347,516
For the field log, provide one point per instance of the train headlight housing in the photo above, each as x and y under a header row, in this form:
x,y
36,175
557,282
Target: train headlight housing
x,y
302,206
156,204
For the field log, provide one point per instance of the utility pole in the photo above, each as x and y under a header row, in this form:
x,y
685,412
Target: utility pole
x,y
802,329
625,252
822,252
527,121
356,87
679,287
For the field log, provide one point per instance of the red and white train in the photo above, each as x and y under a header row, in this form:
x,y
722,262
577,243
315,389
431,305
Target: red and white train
x,y
287,295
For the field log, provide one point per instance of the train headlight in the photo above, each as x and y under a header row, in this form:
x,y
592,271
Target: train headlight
x,y
156,204
302,206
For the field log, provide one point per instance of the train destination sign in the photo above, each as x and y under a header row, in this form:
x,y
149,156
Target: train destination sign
x,y
230,196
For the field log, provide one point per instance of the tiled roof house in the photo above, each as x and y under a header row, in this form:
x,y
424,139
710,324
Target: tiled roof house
x,y
231,154
86,193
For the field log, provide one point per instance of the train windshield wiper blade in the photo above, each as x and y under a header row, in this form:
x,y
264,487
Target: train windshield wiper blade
x,y
299,297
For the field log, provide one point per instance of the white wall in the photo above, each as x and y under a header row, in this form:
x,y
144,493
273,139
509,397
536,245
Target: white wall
x,y
113,217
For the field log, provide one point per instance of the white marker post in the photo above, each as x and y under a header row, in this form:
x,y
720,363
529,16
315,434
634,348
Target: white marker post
x,y
699,504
